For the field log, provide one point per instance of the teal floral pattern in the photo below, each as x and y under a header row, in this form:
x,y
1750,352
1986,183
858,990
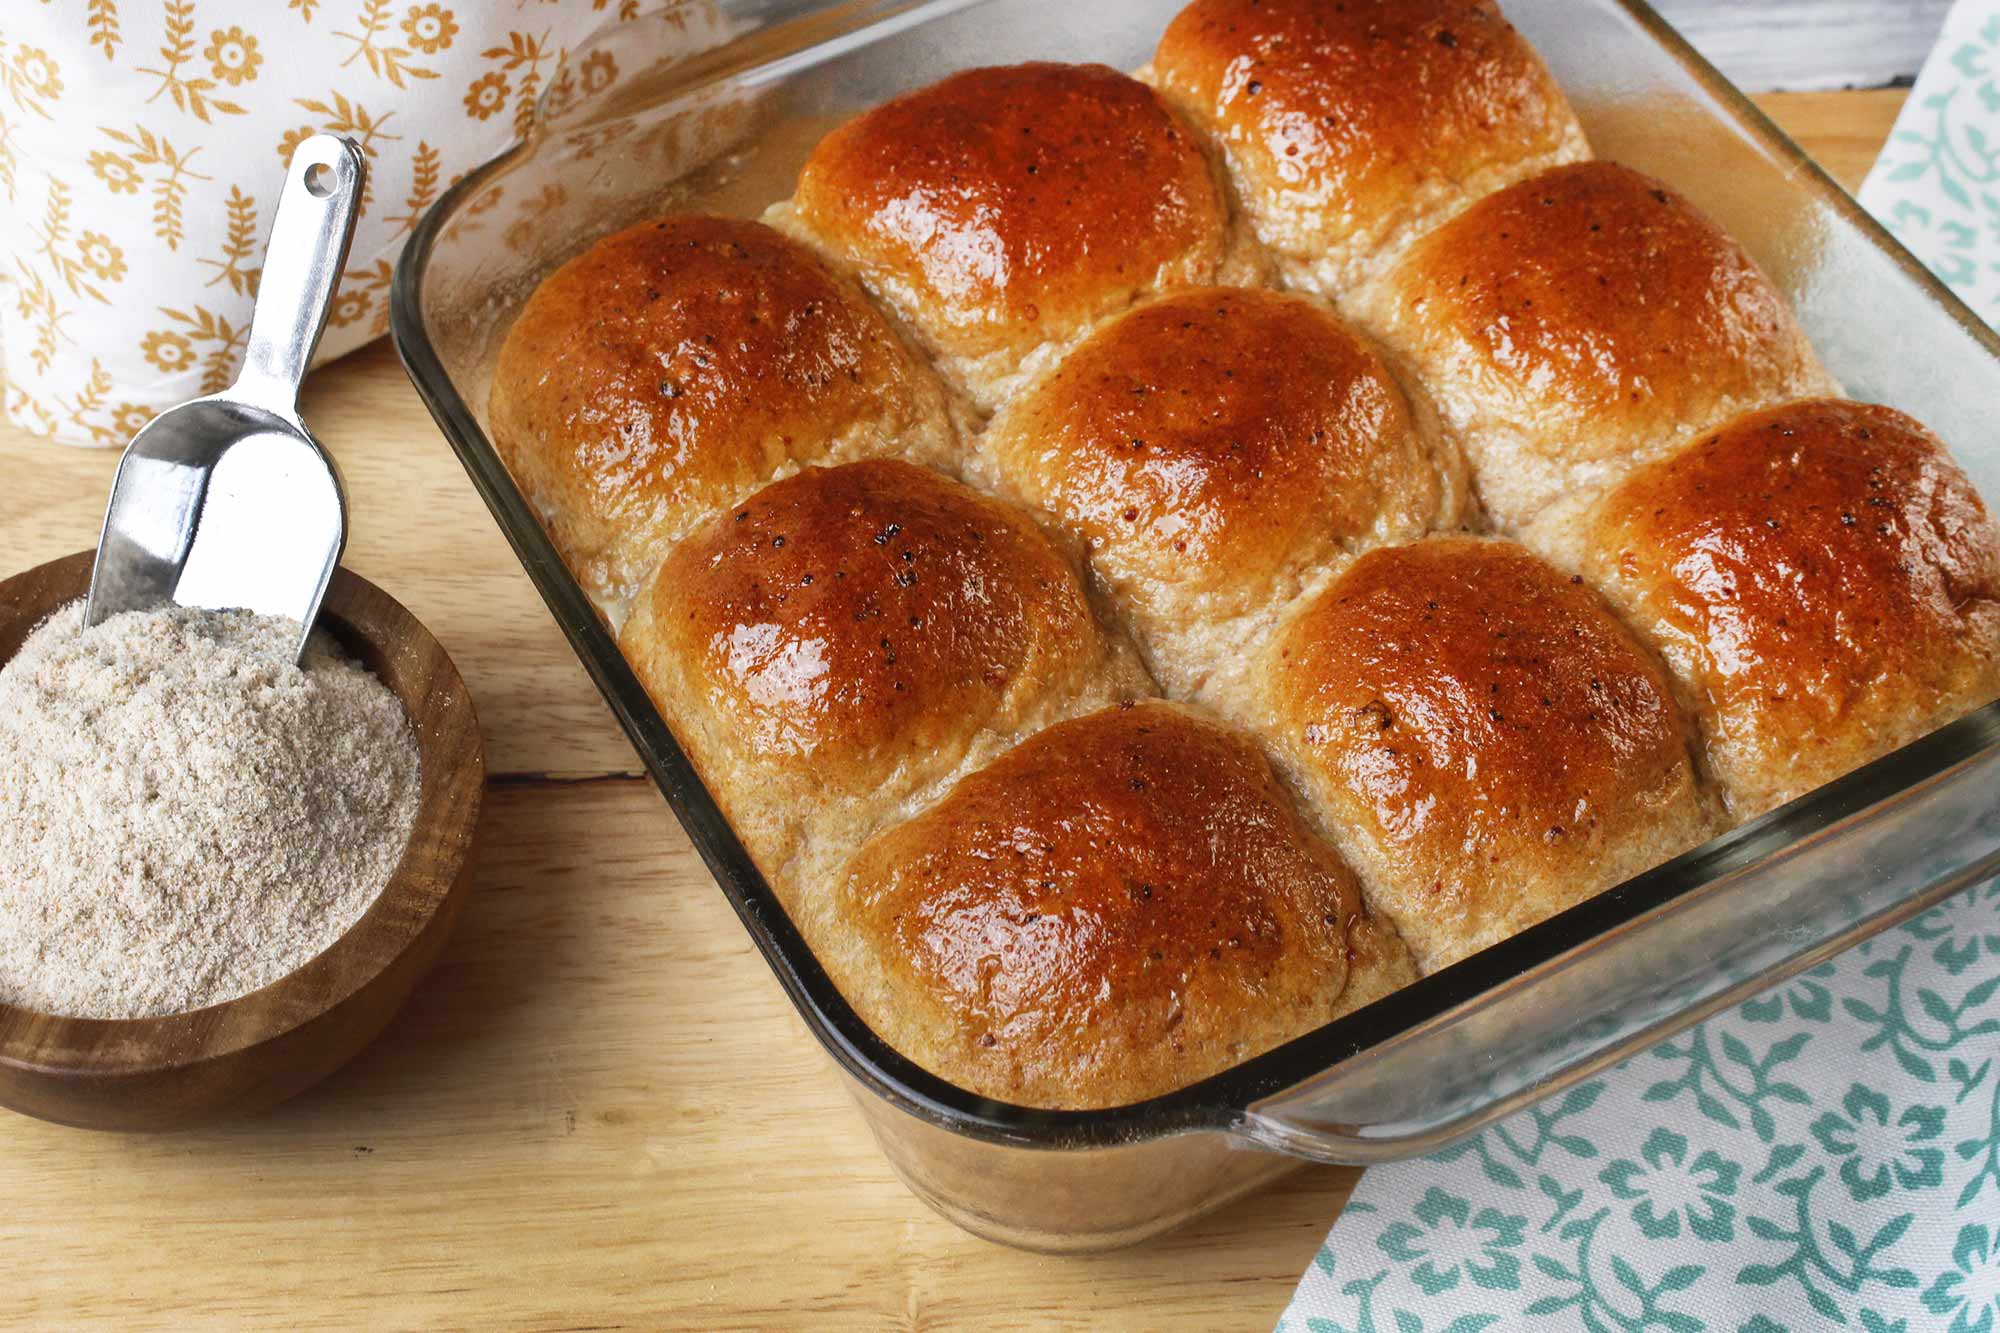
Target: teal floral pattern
x,y
1449,1236
1870,1149
1937,185
1969,1291
1824,1156
1666,1187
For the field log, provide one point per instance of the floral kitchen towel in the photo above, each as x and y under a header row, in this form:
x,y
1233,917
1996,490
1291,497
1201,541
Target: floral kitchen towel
x,y
1824,1156
142,143
1937,183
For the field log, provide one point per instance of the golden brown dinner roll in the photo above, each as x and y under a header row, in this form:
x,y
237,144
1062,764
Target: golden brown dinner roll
x,y
1215,449
1823,580
1487,743
1113,909
840,643
1352,128
1576,324
675,367
1001,211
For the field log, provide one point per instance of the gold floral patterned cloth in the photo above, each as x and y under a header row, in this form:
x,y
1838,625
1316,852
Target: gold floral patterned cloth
x,y
142,143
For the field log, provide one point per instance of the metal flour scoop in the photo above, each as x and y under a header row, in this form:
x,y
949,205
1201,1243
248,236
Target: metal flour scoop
x,y
227,501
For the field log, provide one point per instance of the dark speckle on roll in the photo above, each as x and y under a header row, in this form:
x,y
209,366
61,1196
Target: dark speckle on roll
x,y
1489,744
1821,576
1352,128
677,365
1002,211
1115,908
1576,324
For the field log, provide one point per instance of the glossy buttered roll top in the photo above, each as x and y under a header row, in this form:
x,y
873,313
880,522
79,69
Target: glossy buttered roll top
x,y
1821,577
1578,323
1352,128
844,639
674,367
1489,744
1215,449
1000,212
1115,908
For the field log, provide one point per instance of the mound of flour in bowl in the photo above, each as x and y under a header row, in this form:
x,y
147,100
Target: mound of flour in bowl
x,y
186,815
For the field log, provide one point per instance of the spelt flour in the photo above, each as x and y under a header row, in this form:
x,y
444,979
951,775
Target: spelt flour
x,y
185,815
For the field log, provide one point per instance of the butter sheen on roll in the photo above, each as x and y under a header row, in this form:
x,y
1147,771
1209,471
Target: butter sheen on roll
x,y
1579,323
1113,909
1352,128
1823,580
1489,745
674,367
844,641
1217,450
1001,212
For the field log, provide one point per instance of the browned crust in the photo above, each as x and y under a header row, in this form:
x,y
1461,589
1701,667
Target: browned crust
x,y
1824,577
675,366
1207,439
1121,905
850,619
1345,111
1582,320
1485,730
1004,207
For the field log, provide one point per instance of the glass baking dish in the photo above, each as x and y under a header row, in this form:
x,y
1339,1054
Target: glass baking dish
x,y
725,130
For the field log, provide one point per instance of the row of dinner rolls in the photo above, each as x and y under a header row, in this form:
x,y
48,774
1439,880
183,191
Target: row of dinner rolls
x,y
1151,565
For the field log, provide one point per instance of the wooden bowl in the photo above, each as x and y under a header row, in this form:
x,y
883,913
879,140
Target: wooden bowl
x,y
248,1053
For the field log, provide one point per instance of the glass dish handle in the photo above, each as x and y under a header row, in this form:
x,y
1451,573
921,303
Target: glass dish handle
x,y
1877,857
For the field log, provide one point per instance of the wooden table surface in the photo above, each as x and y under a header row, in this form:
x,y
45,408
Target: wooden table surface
x,y
599,1112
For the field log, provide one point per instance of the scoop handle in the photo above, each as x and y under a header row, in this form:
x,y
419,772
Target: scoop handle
x,y
310,232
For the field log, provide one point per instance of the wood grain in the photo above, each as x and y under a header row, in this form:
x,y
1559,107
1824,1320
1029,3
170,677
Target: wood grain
x,y
599,1110
254,1051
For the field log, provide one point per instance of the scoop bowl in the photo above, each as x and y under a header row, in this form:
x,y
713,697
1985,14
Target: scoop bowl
x,y
245,1054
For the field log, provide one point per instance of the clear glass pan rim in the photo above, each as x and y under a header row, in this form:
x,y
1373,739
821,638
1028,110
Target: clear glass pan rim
x,y
1221,1101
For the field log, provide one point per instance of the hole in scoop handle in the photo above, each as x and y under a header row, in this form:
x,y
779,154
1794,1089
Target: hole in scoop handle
x,y
310,231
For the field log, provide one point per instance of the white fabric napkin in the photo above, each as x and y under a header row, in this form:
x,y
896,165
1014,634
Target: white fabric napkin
x,y
1824,1156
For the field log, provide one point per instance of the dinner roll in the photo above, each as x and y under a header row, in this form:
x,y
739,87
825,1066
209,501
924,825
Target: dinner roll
x,y
1823,580
1113,909
1487,743
1351,129
1002,211
840,643
1576,324
676,366
1215,449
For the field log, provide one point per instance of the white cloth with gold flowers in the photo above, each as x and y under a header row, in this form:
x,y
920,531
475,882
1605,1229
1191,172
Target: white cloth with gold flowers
x,y
142,143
